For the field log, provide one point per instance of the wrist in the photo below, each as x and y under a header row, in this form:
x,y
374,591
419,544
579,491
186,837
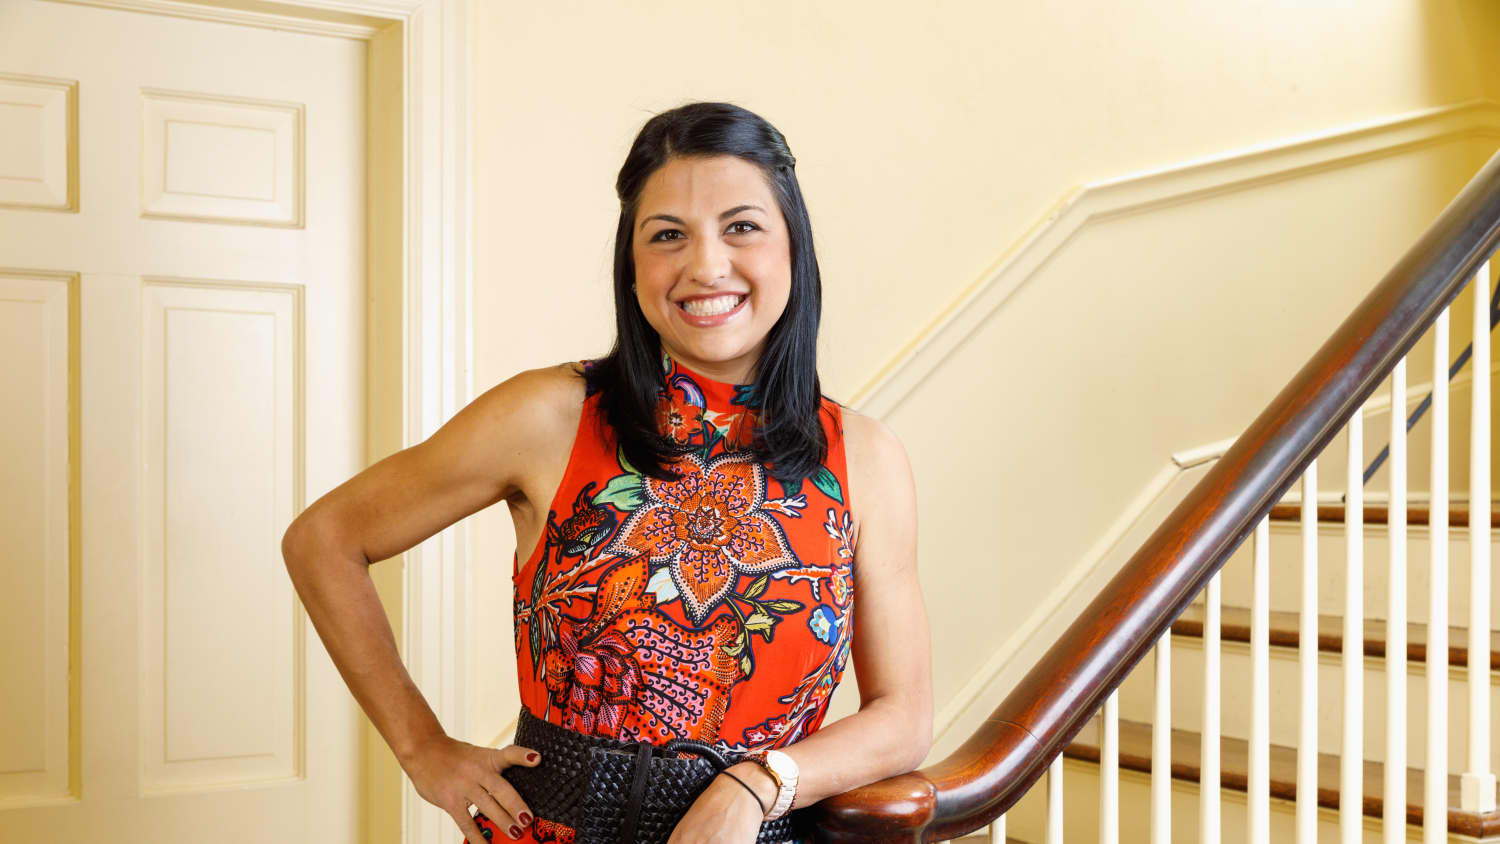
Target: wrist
x,y
759,779
412,746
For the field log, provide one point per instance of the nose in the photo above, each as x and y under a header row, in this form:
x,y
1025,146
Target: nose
x,y
708,263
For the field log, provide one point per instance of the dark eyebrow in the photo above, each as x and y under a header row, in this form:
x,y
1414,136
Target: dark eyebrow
x,y
726,215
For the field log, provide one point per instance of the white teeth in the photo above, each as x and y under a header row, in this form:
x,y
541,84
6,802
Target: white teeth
x,y
709,307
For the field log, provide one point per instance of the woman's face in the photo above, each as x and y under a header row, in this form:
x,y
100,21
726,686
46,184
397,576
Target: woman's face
x,y
709,234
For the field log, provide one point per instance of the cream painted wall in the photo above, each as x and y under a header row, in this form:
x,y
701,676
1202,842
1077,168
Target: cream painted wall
x,y
929,144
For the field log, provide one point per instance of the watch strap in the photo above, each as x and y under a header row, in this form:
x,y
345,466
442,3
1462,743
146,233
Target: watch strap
x,y
786,787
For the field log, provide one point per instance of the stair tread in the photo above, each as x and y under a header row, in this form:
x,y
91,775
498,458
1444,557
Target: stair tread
x,y
1234,626
1135,755
1458,516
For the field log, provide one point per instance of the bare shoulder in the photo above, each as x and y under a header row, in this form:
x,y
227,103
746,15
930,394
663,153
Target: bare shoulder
x,y
872,449
533,416
881,486
543,393
495,447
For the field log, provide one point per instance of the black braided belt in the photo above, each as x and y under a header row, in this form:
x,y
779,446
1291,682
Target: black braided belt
x,y
622,792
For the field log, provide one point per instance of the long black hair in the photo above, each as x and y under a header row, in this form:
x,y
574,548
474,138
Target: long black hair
x,y
789,435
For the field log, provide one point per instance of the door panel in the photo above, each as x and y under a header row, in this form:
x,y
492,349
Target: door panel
x,y
182,289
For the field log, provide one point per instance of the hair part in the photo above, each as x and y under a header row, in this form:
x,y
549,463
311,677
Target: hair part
x,y
789,436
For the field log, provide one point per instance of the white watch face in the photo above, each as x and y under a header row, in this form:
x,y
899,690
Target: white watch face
x,y
784,765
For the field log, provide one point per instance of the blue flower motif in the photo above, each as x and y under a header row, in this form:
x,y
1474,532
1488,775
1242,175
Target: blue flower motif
x,y
823,622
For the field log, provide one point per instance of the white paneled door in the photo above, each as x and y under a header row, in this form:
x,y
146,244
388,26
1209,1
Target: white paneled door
x,y
182,294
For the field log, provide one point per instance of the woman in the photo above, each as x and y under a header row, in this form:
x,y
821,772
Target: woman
x,y
699,516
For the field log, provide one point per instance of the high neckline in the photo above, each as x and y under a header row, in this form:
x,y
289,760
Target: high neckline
x,y
718,395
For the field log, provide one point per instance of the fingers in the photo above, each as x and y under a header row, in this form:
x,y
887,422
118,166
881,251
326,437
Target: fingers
x,y
472,833
510,801
501,810
515,754
504,820
503,793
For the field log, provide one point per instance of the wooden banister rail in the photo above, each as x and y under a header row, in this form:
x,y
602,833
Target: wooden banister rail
x,y
1013,747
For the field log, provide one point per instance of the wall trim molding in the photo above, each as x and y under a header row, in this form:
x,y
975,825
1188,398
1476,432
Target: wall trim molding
x,y
1144,190
1377,405
358,19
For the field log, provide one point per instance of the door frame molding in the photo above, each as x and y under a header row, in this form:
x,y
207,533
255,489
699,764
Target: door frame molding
x,y
426,312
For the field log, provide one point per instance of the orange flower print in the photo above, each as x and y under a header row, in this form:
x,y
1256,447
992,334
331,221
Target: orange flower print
x,y
709,526
621,671
679,419
741,433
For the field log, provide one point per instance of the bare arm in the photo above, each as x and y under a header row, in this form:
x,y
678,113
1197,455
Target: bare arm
x,y
892,731
478,458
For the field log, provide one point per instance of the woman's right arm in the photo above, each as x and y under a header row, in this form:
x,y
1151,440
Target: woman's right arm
x,y
479,457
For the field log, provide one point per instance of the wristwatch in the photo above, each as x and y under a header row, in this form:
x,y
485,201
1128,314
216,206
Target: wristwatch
x,y
783,769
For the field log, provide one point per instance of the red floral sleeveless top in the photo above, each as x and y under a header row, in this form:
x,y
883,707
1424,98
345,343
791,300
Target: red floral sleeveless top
x,y
716,606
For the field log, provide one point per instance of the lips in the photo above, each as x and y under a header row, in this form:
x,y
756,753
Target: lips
x,y
712,319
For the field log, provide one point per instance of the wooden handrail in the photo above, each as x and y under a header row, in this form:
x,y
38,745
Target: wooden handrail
x,y
1012,748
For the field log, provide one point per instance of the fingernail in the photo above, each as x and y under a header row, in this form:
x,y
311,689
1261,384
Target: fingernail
x,y
531,757
524,817
515,831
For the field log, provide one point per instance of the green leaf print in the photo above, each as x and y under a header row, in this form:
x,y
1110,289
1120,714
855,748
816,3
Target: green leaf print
x,y
829,483
783,606
624,461
746,666
623,491
790,489
758,586
761,622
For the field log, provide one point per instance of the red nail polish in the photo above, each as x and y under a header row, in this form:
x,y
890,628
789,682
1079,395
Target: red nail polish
x,y
531,757
524,817
515,831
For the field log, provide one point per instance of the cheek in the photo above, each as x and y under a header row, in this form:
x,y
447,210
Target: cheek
x,y
653,274
772,271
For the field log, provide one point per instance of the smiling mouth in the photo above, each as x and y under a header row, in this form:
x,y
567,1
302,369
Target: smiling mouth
x,y
713,307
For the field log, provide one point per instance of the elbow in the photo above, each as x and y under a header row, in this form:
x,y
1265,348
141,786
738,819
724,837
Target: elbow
x,y
921,746
922,738
302,533
316,535
291,542
918,737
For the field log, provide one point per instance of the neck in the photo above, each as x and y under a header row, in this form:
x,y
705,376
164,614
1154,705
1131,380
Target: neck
x,y
736,372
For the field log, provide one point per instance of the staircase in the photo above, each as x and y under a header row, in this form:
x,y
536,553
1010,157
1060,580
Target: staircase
x,y
1284,638
1328,666
1284,629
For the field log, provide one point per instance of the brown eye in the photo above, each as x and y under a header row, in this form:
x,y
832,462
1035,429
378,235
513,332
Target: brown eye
x,y
753,227
658,236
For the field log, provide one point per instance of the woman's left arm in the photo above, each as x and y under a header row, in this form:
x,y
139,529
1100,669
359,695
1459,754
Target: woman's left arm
x,y
892,731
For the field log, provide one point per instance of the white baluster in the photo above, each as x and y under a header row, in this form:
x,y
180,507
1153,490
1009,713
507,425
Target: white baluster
x,y
1394,814
1478,791
1055,802
1259,784
1109,771
1435,769
1351,755
1161,745
997,830
1208,764
1307,661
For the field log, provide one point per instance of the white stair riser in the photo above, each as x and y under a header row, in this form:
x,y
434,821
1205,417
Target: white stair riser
x,y
1137,693
1026,821
1286,572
